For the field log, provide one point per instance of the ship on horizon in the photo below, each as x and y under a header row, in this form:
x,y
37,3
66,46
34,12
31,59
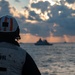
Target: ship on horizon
x,y
42,42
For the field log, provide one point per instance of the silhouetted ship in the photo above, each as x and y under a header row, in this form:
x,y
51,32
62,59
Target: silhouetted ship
x,y
42,42
65,42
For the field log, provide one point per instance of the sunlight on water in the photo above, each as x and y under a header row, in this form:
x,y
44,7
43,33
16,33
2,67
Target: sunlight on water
x,y
58,59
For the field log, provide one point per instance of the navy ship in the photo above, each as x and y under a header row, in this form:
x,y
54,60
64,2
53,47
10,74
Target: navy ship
x,y
42,42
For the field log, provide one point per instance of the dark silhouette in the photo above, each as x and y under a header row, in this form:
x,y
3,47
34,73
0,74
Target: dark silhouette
x,y
42,42
13,59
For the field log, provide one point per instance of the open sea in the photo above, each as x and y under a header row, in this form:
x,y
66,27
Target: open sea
x,y
58,59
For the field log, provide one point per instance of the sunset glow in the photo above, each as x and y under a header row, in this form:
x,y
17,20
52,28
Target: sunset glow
x,y
53,20
27,38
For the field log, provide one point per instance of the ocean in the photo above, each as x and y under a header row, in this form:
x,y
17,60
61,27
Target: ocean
x,y
58,59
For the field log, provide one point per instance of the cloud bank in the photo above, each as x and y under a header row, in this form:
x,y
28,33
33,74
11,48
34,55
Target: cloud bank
x,y
17,0
50,20
70,1
61,15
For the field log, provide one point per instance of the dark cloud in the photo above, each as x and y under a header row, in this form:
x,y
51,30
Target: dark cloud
x,y
41,28
26,8
64,19
17,0
60,15
43,6
4,8
34,16
70,1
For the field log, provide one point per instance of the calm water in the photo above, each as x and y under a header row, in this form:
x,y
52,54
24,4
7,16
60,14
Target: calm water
x,y
58,59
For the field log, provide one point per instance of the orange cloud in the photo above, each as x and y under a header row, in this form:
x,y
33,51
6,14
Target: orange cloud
x,y
28,38
55,39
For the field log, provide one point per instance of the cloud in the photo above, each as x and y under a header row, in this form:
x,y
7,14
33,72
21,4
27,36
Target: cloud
x,y
17,0
38,11
60,20
37,29
43,6
62,16
27,38
70,1
14,12
4,8
34,16
41,29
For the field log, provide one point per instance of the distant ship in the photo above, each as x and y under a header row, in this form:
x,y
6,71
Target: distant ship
x,y
65,42
42,42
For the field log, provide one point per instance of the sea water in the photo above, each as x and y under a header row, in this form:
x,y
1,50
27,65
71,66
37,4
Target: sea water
x,y
58,59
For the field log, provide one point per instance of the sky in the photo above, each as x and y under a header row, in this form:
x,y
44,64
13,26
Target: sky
x,y
53,20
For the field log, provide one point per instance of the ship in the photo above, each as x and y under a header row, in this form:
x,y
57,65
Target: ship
x,y
42,42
